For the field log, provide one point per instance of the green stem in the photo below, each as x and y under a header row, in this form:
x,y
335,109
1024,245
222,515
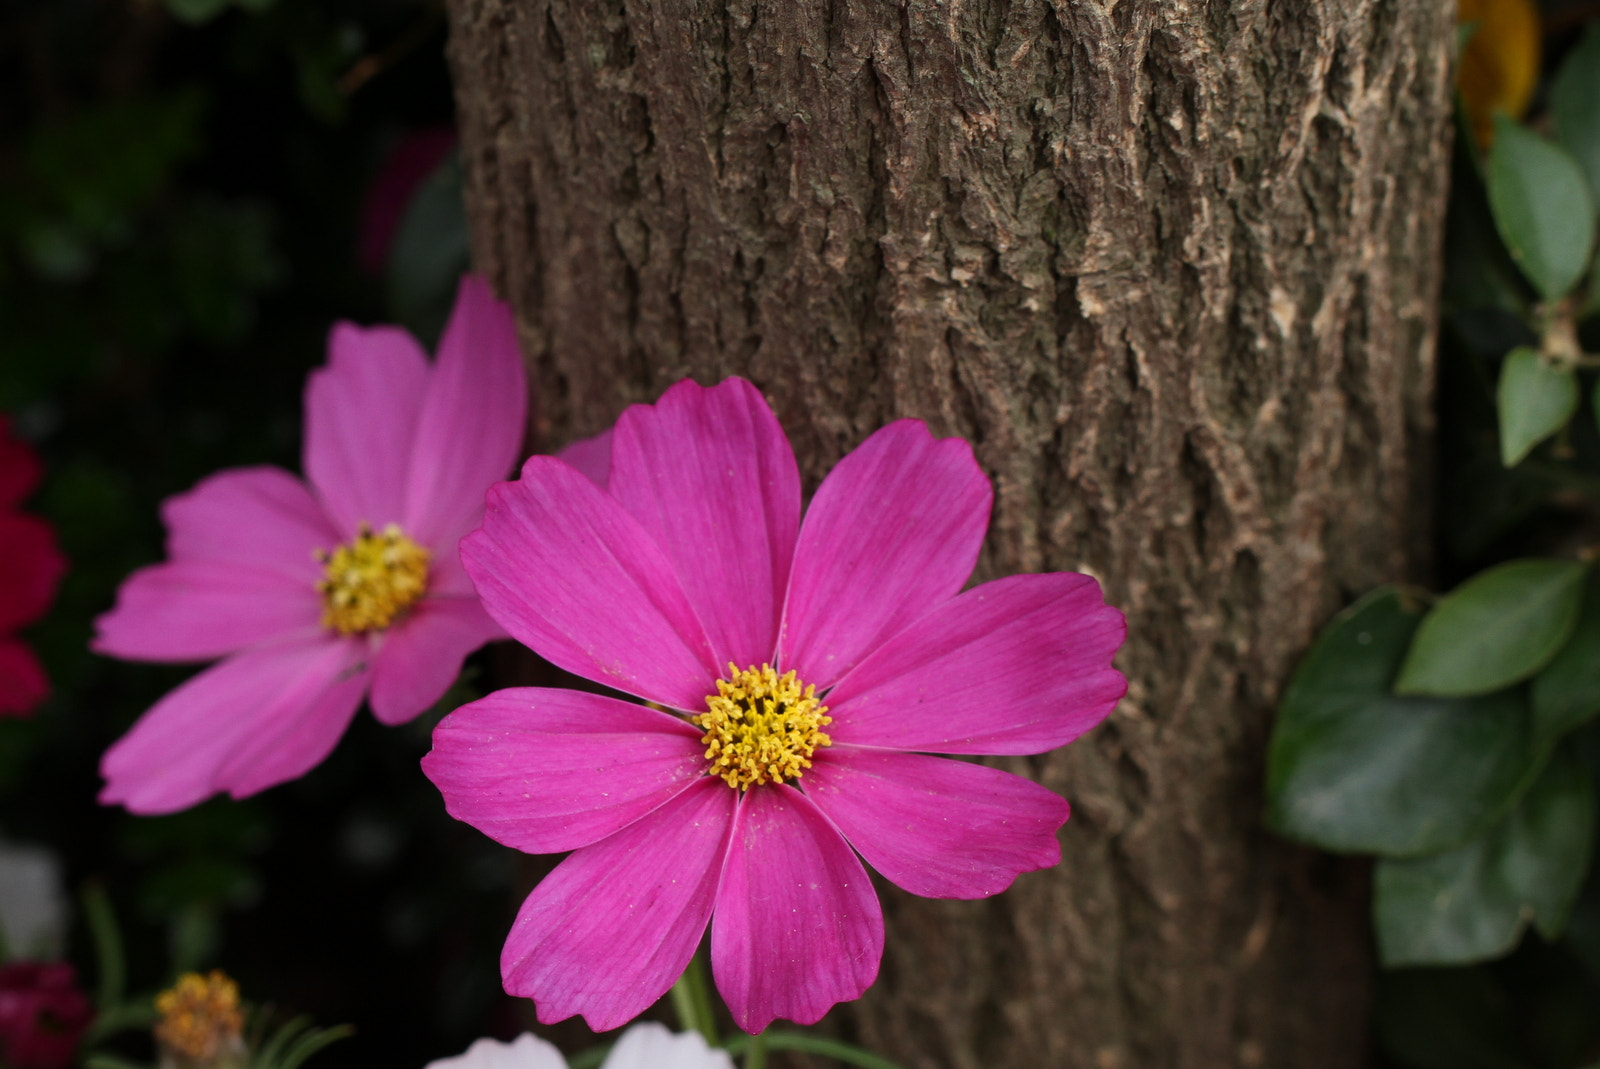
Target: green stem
x,y
692,1001
808,1044
755,1055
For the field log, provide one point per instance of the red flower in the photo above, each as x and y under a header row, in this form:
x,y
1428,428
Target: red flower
x,y
30,566
42,1014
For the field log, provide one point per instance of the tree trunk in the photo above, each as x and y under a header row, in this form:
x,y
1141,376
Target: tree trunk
x,y
1170,266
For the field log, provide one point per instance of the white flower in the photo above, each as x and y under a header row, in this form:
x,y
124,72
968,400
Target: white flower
x,y
33,908
644,1046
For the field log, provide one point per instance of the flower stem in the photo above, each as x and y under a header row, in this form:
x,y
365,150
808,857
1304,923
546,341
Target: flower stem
x,y
692,1001
809,1044
755,1055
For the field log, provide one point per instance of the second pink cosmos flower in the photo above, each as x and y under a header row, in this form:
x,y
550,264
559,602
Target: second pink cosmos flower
x,y
815,669
317,595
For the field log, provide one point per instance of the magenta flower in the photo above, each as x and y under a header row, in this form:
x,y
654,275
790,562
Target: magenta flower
x,y
316,595
814,667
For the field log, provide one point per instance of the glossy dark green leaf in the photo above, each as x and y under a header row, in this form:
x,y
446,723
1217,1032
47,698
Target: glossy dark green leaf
x,y
430,252
1353,767
1575,105
1498,628
1472,903
1566,694
1535,400
1542,207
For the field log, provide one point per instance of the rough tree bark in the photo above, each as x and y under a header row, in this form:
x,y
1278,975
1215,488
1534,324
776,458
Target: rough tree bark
x,y
1170,265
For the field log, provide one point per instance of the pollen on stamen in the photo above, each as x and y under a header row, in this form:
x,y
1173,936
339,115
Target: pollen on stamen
x,y
371,580
761,727
200,1022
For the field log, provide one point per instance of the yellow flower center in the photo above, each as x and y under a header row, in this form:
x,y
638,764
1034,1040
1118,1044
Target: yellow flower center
x,y
201,1022
369,581
761,727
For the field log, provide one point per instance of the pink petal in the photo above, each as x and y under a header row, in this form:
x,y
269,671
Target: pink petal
x,y
893,531
798,927
546,770
1017,666
255,517
201,610
420,656
592,456
470,431
22,680
935,826
361,423
614,925
222,730
710,475
447,577
571,575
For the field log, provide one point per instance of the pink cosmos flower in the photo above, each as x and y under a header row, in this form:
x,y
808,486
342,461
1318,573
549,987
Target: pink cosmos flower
x,y
317,595
811,671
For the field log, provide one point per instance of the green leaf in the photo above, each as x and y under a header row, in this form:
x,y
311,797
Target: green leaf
x,y
430,252
1472,903
1354,768
1498,628
1542,207
1575,105
1566,694
1535,400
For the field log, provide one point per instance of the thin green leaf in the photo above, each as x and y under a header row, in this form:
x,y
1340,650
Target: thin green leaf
x,y
1498,628
139,1013
1575,105
1472,903
271,1052
110,962
1354,768
810,1044
311,1043
1566,693
1542,207
1535,400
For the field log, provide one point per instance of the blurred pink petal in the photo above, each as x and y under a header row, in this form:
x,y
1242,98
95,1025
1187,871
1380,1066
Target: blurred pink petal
x,y
361,420
567,571
226,717
592,456
894,530
798,926
470,431
614,925
256,517
1017,666
202,610
710,476
421,655
937,827
547,770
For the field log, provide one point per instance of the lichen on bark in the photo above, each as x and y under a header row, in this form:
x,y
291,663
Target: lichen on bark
x,y
1170,265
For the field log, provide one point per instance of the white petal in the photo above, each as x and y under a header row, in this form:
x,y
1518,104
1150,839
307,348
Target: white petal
x,y
33,907
651,1046
527,1051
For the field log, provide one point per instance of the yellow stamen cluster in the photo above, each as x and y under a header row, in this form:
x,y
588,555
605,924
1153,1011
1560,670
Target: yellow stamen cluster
x,y
201,1023
369,581
761,727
